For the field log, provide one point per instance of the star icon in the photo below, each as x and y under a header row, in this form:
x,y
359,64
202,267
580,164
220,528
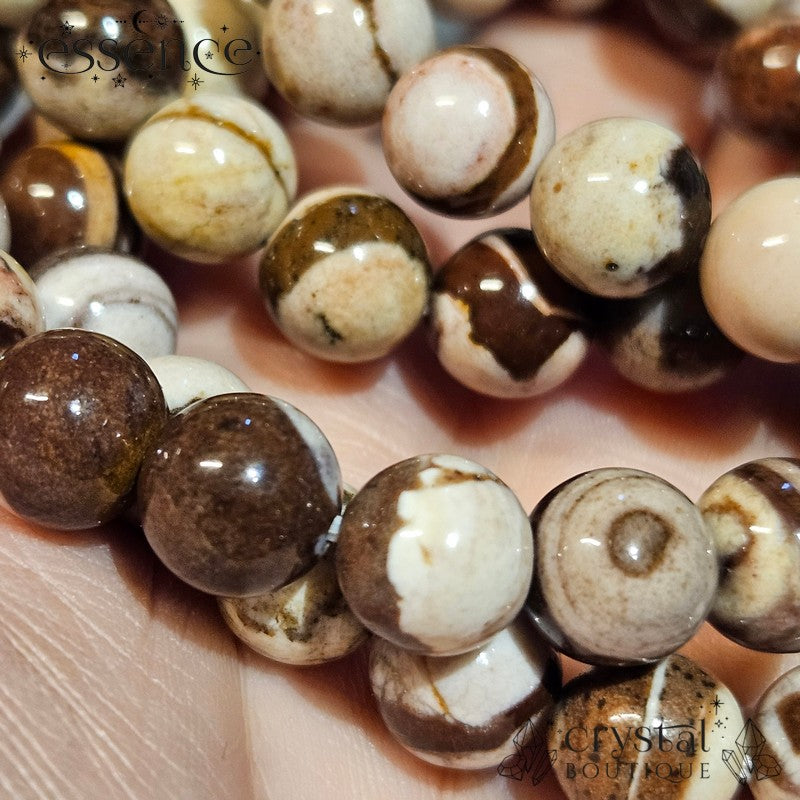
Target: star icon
x,y
161,21
23,53
120,81
209,54
95,78
195,81
67,27
717,703
224,28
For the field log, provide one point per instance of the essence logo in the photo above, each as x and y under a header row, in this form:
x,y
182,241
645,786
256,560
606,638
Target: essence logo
x,y
751,759
531,757
148,47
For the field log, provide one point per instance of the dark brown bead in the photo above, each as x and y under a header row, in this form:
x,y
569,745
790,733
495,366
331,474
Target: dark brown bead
x,y
78,413
237,493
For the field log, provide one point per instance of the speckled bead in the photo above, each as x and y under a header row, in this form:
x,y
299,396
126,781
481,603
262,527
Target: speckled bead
x,y
346,275
134,49
625,570
336,61
210,177
305,622
435,555
21,312
776,774
185,380
78,413
753,513
620,205
699,28
464,711
757,79
59,195
666,341
110,293
503,323
749,275
464,131
237,492
661,732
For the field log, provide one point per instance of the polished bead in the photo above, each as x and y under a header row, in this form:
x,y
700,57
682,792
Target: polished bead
x,y
336,60
753,513
666,341
237,492
21,312
111,293
466,711
346,275
625,570
776,767
434,554
464,131
186,379
503,322
749,272
78,413
619,205
757,79
210,177
134,49
59,195
666,732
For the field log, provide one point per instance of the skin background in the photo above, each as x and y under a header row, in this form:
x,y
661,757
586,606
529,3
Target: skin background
x,y
118,682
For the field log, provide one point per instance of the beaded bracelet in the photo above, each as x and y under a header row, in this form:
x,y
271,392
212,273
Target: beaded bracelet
x,y
530,714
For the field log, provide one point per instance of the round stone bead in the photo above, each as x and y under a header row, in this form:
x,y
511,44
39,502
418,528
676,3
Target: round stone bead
x,y
435,555
620,205
209,178
21,312
134,49
777,718
625,568
78,413
185,380
665,341
753,513
337,60
468,711
757,78
503,323
346,275
60,195
464,131
111,293
237,492
639,734
749,275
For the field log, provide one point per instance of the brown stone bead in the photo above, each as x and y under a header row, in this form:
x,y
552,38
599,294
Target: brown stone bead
x,y
60,195
237,493
78,413
757,79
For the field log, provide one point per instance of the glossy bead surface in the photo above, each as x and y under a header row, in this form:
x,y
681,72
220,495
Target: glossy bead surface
x,y
673,723
434,554
753,513
21,312
464,131
464,711
777,718
237,492
5,227
133,47
620,205
185,380
625,570
110,293
336,60
757,79
749,273
503,322
666,341
210,177
78,413
346,275
60,194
